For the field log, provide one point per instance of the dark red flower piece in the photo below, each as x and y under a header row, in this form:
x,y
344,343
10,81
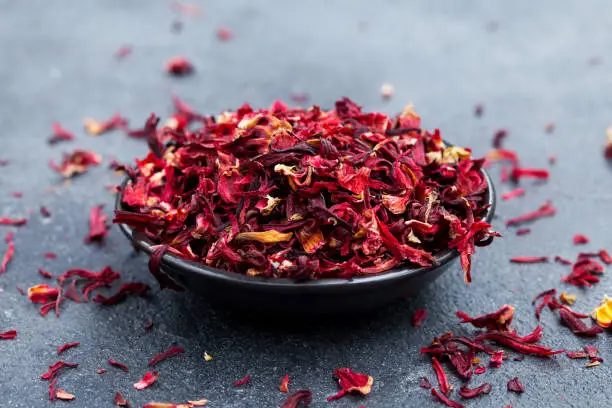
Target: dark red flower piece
x,y
149,324
45,274
424,383
60,134
76,163
577,326
523,231
504,155
466,392
95,280
497,359
70,292
300,396
171,352
529,259
351,382
498,138
441,374
576,354
546,210
514,385
605,257
97,224
8,335
514,342
10,252
67,346
554,304
462,362
445,400
118,365
480,370
44,211
591,351
17,194
55,369
580,239
50,255
179,66
499,320
517,192
419,316
132,288
120,401
13,222
518,173
552,159
21,291
53,390
563,260
478,110
242,381
284,385
43,293
584,272
165,281
147,380
224,34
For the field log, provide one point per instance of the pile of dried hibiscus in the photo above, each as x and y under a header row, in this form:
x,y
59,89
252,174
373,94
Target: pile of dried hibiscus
x,y
305,193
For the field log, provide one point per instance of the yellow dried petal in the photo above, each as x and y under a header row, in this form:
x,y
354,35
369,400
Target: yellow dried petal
x,y
266,237
249,122
567,298
207,356
198,403
593,363
93,127
603,313
271,204
311,241
63,395
455,154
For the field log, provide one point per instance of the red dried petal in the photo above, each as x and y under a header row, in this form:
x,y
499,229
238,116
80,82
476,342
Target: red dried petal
x,y
497,359
521,172
513,194
445,400
480,370
179,66
120,401
523,231
55,369
224,34
499,320
498,138
43,293
76,163
424,383
529,259
580,239
577,326
97,224
562,260
351,381
546,210
60,134
171,352
419,316
517,344
242,381
8,335
299,396
147,380
131,288
165,282
441,374
284,386
591,351
605,257
123,51
13,222
67,346
478,110
8,255
53,390
118,365
514,385
467,392
50,255
94,127
576,354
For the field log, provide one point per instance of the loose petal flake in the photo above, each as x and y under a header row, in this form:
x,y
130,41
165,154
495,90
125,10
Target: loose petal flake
x,y
284,386
8,335
118,365
419,316
514,385
299,396
242,381
351,381
120,401
445,400
171,352
67,346
147,380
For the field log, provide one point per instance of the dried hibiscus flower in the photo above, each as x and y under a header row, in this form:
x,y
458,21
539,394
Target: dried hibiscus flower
x,y
10,252
305,194
93,127
76,162
299,396
60,134
67,346
242,381
120,401
284,386
147,380
499,320
171,352
55,369
179,66
467,392
351,381
445,400
419,316
8,335
97,224
515,385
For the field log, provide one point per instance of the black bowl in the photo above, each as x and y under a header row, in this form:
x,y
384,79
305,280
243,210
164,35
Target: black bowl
x,y
286,296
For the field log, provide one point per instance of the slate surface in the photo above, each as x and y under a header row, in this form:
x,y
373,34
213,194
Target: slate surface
x,y
57,64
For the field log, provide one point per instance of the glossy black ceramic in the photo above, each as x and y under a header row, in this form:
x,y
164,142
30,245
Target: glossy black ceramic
x,y
325,296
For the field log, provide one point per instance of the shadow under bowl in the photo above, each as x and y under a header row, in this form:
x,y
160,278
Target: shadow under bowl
x,y
257,295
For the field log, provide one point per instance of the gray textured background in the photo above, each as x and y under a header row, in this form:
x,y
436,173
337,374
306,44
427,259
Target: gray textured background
x,y
57,64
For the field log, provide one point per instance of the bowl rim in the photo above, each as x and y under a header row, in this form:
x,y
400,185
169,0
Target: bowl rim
x,y
177,263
